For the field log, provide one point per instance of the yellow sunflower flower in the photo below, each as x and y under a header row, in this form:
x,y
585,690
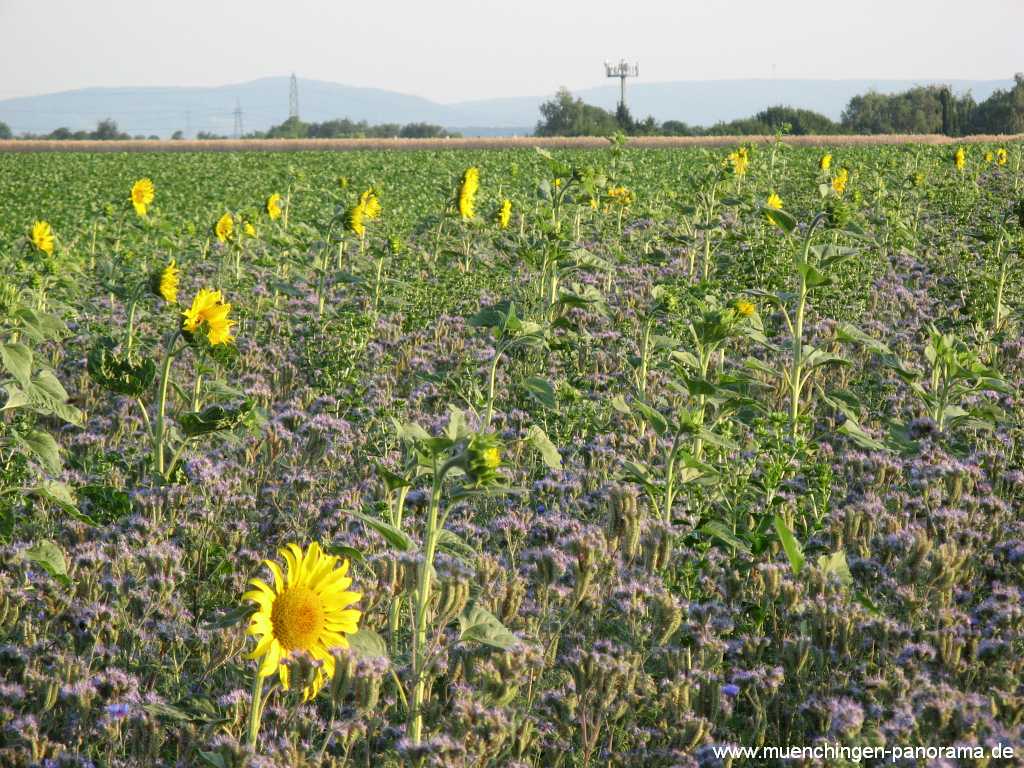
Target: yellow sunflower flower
x,y
621,195
840,181
989,157
1002,156
42,237
168,284
274,209
209,308
225,227
960,158
354,220
250,230
306,610
505,213
745,308
826,161
467,193
371,204
774,202
143,193
739,160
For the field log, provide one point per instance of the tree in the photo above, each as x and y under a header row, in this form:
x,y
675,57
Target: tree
x,y
177,136
5,131
565,116
1002,112
106,130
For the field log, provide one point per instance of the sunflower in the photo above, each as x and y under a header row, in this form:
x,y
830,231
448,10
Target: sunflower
x,y
1002,156
210,308
167,286
274,207
774,202
355,220
467,193
42,237
225,227
249,229
840,181
960,158
826,161
306,611
505,213
621,195
745,308
371,204
143,193
739,160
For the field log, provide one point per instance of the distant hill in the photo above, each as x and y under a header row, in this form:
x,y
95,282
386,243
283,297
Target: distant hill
x,y
264,102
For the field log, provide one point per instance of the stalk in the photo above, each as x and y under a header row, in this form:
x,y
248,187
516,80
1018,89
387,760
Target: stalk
x,y
422,602
158,433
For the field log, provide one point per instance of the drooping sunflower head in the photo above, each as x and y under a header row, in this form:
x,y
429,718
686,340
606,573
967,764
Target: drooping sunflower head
x,y
225,227
960,158
467,193
165,282
274,209
483,458
505,213
306,610
774,202
42,237
825,162
210,310
355,220
143,194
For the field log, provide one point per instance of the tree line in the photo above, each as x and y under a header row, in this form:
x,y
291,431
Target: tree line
x,y
925,109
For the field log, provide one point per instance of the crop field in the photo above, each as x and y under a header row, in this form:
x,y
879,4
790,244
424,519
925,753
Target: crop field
x,y
512,457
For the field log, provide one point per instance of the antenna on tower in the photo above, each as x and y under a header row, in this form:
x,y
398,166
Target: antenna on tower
x,y
293,99
622,70
239,128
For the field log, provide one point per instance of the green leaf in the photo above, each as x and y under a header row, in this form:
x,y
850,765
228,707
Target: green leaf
x,y
851,333
719,530
215,418
655,419
367,643
479,624
542,390
539,439
791,546
853,430
17,359
58,492
454,544
119,372
213,758
398,539
45,449
781,219
836,564
48,556
232,618
13,398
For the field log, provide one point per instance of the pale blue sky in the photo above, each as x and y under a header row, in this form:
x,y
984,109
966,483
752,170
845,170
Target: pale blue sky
x,y
466,50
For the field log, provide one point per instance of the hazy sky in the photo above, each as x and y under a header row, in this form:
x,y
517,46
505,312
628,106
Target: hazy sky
x,y
466,50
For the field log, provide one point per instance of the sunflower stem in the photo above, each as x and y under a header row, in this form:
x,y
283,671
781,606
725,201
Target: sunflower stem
x,y
158,432
422,603
256,711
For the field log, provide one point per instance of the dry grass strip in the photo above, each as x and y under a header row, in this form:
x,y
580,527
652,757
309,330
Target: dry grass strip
x,y
588,142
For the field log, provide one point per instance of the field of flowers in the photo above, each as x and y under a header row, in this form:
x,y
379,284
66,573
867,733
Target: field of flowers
x,y
510,457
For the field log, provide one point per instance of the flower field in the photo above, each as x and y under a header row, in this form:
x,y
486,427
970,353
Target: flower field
x,y
511,457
